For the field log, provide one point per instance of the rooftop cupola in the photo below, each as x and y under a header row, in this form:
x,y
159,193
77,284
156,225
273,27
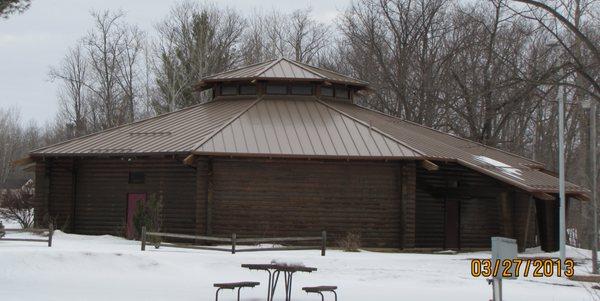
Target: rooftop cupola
x,y
283,77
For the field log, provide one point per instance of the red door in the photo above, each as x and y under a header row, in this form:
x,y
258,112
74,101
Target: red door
x,y
133,200
452,225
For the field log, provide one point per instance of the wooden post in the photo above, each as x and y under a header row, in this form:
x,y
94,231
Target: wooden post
x,y
530,202
50,233
323,242
209,197
144,238
506,215
233,241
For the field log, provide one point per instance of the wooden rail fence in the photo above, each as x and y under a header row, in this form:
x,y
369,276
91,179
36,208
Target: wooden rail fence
x,y
48,240
234,241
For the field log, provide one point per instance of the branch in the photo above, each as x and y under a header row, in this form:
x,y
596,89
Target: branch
x,y
590,45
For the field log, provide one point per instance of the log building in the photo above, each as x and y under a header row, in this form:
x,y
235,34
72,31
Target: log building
x,y
282,149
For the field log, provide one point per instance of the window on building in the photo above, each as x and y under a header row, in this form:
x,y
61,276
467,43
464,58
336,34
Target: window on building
x,y
326,91
136,177
229,90
302,89
341,92
248,90
276,89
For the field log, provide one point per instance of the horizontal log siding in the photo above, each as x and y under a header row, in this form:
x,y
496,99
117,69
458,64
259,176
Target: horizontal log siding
x,y
479,221
430,219
61,203
480,211
201,195
525,220
298,198
408,184
42,193
54,193
103,185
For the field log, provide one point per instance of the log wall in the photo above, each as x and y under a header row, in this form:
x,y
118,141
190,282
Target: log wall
x,y
487,208
391,204
97,203
263,198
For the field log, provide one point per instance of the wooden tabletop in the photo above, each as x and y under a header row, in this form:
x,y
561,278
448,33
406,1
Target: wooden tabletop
x,y
279,267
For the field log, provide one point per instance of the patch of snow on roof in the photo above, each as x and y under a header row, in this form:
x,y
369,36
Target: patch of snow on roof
x,y
505,168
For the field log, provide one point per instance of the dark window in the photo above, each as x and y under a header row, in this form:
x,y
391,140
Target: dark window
x,y
136,177
341,92
229,90
326,91
277,89
302,89
248,90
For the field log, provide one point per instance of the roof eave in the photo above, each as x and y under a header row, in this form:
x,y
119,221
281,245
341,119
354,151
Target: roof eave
x,y
203,83
303,156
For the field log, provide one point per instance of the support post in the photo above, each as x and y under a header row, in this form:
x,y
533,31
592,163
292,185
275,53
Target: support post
x,y
593,187
497,288
209,197
323,242
233,242
143,238
561,171
50,234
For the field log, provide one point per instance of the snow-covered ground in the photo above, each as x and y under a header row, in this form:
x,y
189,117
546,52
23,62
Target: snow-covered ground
x,y
81,267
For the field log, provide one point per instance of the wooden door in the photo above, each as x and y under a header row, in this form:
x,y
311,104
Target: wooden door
x,y
452,225
133,200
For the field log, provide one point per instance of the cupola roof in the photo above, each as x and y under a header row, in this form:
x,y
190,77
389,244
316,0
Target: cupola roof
x,y
282,69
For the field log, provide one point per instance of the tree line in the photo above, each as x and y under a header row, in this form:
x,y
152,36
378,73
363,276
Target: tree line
x,y
491,71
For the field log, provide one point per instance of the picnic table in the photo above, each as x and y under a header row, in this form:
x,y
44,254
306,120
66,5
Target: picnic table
x,y
274,270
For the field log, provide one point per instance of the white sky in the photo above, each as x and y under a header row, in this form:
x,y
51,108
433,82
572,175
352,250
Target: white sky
x,y
32,42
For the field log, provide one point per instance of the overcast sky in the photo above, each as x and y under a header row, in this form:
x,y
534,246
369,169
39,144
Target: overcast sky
x,y
32,42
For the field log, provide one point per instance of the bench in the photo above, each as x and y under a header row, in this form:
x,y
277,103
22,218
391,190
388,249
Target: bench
x,y
320,289
233,286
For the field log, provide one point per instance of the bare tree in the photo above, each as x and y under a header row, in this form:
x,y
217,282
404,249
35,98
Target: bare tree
x,y
296,35
73,96
10,141
194,41
17,205
564,20
9,7
102,77
114,50
398,46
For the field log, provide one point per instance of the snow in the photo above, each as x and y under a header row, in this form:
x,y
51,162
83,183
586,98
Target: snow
x,y
80,267
507,169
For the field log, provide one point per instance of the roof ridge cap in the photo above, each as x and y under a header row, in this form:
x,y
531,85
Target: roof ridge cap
x,y
302,66
224,125
117,127
371,127
340,74
453,136
269,66
236,69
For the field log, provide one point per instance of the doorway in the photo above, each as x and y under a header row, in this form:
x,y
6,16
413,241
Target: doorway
x,y
133,201
452,225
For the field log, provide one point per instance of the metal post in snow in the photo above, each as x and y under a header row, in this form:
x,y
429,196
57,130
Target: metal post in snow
x,y
323,243
143,238
561,171
50,234
233,243
594,188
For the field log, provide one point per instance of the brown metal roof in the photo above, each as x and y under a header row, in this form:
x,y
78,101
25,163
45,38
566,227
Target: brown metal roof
x,y
303,127
510,168
176,132
284,69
